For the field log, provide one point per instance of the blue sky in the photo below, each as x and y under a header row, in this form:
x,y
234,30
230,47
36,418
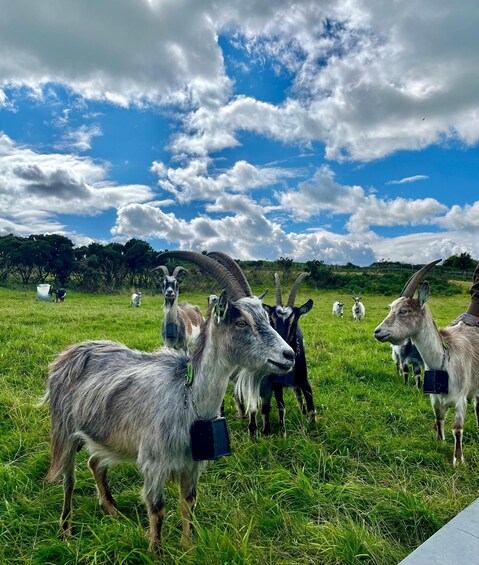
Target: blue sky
x,y
315,130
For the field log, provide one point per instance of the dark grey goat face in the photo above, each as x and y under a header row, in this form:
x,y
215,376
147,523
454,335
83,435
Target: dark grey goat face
x,y
252,342
170,288
284,319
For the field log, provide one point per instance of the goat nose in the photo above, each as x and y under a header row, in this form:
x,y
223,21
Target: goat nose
x,y
377,330
289,354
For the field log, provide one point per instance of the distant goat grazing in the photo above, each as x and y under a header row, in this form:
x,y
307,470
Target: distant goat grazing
x,y
181,322
407,354
59,293
284,319
454,349
358,308
133,406
338,309
135,299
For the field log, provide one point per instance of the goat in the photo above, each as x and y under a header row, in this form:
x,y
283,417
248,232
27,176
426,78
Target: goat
x,y
358,308
135,299
181,322
129,405
59,293
284,319
454,349
338,309
407,354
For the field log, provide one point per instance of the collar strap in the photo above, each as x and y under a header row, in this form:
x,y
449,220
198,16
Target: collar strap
x,y
189,374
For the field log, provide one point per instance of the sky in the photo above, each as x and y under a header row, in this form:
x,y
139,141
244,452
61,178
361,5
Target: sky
x,y
337,130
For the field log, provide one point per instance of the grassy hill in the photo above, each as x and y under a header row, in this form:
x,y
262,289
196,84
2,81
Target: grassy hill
x,y
367,484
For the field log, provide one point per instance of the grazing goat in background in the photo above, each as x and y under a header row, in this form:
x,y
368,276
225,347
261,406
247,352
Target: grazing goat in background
x,y
284,319
59,293
338,309
129,405
181,322
135,299
407,354
454,349
358,308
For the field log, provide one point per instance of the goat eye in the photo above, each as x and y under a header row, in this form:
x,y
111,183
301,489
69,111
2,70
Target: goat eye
x,y
241,324
403,312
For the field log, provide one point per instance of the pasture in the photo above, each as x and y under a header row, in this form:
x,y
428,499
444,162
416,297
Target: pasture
x,y
367,484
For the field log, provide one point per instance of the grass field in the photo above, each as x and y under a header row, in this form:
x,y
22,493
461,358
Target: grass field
x,y
367,484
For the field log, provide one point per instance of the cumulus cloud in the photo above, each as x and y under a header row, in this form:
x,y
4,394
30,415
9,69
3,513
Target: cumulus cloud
x,y
34,187
194,182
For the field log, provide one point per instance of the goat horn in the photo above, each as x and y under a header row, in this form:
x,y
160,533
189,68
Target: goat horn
x,y
412,284
177,270
163,268
277,285
294,290
225,279
233,268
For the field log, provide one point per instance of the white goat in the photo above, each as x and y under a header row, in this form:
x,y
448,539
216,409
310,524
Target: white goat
x,y
454,349
133,406
358,309
338,308
181,322
135,299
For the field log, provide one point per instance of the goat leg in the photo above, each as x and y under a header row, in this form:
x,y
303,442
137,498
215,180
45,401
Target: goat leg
x,y
187,503
104,493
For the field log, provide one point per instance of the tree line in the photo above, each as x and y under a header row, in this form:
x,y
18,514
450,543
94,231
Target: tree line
x,y
114,266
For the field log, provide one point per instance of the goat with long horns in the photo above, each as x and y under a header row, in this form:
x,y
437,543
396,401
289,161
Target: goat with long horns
x,y
453,350
285,320
134,406
181,323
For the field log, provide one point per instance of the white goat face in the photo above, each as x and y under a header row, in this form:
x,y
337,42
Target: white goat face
x,y
402,322
170,288
254,344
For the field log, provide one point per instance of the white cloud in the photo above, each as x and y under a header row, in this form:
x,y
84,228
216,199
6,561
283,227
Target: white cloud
x,y
79,139
463,218
407,180
194,182
34,187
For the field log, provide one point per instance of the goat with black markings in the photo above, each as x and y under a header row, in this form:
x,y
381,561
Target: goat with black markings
x,y
359,311
454,349
407,354
285,320
129,405
181,322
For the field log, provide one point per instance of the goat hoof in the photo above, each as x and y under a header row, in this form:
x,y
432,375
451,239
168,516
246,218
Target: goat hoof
x,y
109,508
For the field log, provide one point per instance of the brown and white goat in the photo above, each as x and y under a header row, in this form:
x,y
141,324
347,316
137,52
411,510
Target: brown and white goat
x,y
454,349
181,322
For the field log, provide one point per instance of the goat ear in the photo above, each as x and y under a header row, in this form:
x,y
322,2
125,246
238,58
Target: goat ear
x,y
305,308
221,307
423,293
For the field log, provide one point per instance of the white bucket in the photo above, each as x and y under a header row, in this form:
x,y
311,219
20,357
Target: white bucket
x,y
42,292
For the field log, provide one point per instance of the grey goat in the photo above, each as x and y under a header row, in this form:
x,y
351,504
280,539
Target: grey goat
x,y
407,354
181,322
454,349
133,406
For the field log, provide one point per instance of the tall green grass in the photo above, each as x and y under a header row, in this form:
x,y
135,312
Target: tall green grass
x,y
367,484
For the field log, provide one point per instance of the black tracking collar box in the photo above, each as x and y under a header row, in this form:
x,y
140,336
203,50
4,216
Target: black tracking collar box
x,y
209,439
436,381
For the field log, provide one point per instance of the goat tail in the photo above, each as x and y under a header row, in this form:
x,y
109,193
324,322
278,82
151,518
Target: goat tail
x,y
64,374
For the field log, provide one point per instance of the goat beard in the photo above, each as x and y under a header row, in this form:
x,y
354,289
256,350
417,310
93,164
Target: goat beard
x,y
248,389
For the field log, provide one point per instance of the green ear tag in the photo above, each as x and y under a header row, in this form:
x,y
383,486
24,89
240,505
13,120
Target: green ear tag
x,y
189,374
219,311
